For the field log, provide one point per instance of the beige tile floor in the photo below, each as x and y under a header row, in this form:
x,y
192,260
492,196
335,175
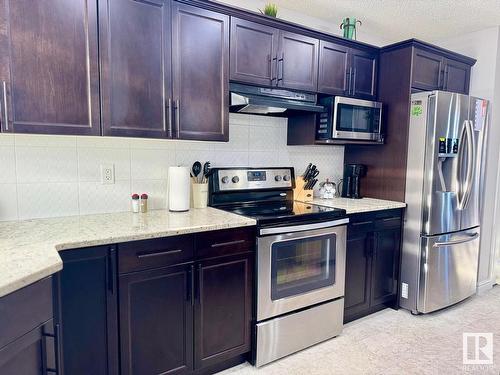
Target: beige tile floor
x,y
395,342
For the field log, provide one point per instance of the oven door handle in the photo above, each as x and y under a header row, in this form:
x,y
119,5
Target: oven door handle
x,y
302,228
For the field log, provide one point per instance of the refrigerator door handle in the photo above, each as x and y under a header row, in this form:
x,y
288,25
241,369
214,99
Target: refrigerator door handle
x,y
470,238
460,169
471,163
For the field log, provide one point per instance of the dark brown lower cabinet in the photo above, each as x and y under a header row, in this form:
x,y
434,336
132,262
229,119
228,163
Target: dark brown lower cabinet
x,y
31,354
223,309
29,338
156,321
87,289
372,263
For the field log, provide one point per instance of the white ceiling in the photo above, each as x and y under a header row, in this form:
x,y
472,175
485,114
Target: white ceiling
x,y
390,20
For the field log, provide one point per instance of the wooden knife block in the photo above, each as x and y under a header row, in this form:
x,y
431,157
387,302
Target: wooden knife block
x,y
301,194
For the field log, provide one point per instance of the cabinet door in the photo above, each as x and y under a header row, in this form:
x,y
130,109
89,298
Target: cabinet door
x,y
385,265
88,311
456,77
363,74
31,354
427,69
253,52
156,319
200,65
135,40
49,62
357,276
333,68
223,310
298,62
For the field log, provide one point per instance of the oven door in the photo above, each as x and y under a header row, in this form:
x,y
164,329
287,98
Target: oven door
x,y
300,267
356,119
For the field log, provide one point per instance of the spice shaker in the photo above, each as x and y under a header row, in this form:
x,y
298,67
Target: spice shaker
x,y
135,203
144,203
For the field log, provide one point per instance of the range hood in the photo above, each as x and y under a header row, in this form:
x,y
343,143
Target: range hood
x,y
264,101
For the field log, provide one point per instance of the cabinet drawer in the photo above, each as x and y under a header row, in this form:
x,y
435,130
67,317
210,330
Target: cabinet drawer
x,y
388,223
147,254
25,309
225,242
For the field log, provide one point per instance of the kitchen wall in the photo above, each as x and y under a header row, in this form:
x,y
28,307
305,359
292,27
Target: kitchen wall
x,y
484,45
48,176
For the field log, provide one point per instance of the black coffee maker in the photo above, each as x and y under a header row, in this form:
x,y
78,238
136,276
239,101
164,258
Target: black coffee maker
x,y
350,184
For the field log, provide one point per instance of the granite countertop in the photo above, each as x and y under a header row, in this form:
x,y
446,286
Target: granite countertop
x,y
354,206
29,249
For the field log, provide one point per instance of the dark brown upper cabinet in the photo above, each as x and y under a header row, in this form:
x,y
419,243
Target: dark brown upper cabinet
x,y
456,77
334,62
297,66
347,71
200,65
135,52
49,67
363,74
427,68
267,56
434,71
253,52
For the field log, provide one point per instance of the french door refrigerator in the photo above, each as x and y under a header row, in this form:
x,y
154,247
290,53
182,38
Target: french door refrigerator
x,y
443,178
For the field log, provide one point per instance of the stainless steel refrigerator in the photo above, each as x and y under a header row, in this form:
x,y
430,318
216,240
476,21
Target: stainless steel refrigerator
x,y
443,183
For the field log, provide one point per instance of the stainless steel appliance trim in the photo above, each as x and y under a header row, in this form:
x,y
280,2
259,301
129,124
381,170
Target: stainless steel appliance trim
x,y
356,135
5,107
456,242
244,184
358,102
288,334
301,228
266,307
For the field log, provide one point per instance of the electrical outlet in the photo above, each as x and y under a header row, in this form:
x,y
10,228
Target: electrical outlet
x,y
107,174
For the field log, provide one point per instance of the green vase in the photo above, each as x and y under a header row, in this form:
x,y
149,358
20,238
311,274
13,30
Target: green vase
x,y
348,25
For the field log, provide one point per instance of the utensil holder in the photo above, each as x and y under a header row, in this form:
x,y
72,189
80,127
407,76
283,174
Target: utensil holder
x,y
200,195
301,194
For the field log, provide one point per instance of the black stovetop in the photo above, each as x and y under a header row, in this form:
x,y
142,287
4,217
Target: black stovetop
x,y
284,212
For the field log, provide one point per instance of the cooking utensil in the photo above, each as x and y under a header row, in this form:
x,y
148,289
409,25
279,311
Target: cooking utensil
x,y
196,171
310,173
206,171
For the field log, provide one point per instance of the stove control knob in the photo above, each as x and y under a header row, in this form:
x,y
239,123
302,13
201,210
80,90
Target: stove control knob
x,y
277,178
286,177
236,179
225,180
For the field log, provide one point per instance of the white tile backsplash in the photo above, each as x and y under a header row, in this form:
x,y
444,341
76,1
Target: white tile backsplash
x,y
46,176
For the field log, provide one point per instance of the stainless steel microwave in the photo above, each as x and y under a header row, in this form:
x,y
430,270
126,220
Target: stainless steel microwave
x,y
349,120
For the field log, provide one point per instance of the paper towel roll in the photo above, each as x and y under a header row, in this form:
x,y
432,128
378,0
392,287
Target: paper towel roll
x,y
178,189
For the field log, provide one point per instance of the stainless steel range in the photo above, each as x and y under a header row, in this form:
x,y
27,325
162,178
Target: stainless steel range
x,y
300,259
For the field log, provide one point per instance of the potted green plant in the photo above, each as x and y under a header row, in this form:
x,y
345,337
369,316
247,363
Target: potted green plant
x,y
270,10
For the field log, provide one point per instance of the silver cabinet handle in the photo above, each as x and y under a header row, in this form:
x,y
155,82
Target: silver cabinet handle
x,y
281,64
457,242
5,117
349,86
169,116
159,253
221,244
177,118
353,81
